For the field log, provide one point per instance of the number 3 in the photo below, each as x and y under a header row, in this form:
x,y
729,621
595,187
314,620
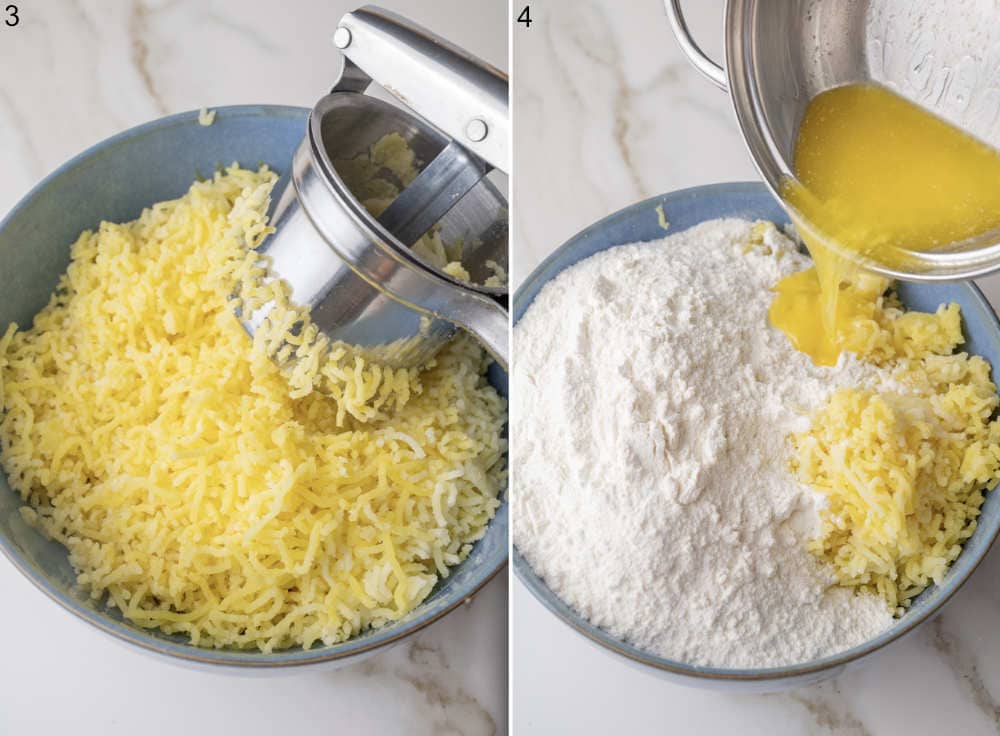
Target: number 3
x,y
12,17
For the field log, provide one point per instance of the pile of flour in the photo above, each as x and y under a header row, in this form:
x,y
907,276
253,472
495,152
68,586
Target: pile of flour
x,y
651,407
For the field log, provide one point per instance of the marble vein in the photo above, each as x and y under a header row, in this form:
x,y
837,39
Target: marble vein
x,y
591,41
963,663
829,710
426,658
242,29
18,124
426,670
80,12
138,27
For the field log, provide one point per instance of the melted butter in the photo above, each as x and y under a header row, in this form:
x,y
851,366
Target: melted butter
x,y
875,176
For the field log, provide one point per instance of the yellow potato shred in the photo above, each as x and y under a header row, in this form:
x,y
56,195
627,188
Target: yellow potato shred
x,y
203,490
903,472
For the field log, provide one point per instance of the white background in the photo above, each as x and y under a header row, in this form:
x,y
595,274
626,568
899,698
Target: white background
x,y
73,73
607,113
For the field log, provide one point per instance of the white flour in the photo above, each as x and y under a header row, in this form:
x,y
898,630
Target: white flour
x,y
651,404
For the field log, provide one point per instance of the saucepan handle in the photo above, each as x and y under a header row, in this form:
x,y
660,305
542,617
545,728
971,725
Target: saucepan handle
x,y
698,58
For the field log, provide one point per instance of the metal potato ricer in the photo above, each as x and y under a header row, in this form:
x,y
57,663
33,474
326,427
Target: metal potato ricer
x,y
942,56
354,267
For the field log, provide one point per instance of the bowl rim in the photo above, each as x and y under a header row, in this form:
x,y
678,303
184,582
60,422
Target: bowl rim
x,y
183,651
595,634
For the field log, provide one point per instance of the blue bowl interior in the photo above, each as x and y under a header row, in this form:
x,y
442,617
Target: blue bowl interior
x,y
114,181
689,207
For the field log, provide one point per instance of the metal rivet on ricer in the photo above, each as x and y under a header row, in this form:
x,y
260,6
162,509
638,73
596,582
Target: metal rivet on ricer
x,y
342,38
476,130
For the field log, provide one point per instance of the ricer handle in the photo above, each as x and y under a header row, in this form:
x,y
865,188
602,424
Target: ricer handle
x,y
698,58
460,94
488,321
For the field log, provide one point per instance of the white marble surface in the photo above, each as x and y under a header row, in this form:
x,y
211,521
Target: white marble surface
x,y
608,112
75,72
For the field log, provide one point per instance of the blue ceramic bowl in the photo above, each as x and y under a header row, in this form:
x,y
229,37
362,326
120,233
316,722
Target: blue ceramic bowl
x,y
752,201
113,181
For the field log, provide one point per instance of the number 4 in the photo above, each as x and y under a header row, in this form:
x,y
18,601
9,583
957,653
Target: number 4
x,y
525,16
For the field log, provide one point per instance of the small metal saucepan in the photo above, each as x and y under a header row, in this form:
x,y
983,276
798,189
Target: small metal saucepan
x,y
779,55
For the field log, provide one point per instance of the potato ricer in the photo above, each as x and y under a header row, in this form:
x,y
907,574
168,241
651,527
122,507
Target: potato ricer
x,y
356,270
